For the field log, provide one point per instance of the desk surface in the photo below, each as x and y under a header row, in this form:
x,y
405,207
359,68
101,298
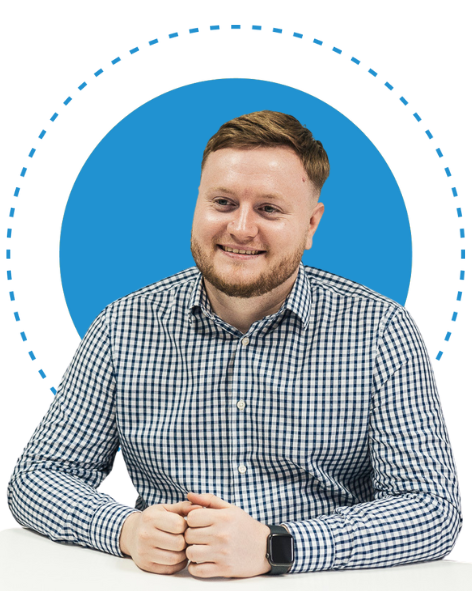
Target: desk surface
x,y
31,561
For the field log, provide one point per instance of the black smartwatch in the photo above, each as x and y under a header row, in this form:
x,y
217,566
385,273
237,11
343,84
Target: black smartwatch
x,y
279,550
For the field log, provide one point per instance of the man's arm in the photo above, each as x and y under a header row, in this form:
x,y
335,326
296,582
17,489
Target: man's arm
x,y
415,514
53,487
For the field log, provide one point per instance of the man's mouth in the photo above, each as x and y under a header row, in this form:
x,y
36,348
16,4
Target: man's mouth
x,y
240,251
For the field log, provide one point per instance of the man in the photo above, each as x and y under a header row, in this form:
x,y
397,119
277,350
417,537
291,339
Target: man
x,y
273,417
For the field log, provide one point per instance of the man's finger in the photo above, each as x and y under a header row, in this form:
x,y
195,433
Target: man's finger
x,y
191,508
179,508
165,521
207,500
203,517
205,570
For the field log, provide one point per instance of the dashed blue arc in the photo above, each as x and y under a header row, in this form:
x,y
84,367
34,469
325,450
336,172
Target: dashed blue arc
x,y
216,28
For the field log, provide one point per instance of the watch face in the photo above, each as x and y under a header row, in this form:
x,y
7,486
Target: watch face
x,y
281,549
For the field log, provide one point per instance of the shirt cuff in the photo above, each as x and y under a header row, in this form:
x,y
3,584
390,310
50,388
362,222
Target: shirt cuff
x,y
106,525
313,545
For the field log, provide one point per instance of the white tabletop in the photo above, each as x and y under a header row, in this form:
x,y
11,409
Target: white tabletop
x,y
31,561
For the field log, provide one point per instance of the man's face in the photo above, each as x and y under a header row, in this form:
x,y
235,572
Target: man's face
x,y
253,200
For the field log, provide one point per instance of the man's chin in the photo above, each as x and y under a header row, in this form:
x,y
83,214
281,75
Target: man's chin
x,y
237,290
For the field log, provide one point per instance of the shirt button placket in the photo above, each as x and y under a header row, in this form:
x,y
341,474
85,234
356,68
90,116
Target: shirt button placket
x,y
242,469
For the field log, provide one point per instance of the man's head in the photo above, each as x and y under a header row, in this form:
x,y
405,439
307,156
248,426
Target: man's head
x,y
262,174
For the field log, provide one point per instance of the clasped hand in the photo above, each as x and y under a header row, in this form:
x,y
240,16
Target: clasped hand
x,y
219,539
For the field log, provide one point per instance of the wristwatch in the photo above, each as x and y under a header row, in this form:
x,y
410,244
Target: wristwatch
x,y
279,550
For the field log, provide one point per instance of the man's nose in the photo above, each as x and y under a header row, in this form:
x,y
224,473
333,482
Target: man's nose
x,y
243,223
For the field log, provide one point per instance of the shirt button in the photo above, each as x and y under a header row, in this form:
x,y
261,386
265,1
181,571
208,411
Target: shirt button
x,y
242,469
245,341
241,404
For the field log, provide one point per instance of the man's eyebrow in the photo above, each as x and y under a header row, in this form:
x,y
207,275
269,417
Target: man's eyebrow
x,y
231,192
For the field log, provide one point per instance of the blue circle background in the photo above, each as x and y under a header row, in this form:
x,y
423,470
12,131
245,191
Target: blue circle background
x,y
128,218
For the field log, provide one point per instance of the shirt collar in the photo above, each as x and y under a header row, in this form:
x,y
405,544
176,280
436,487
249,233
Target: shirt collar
x,y
299,301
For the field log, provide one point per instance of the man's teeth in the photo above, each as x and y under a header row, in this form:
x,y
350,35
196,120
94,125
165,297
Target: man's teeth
x,y
240,251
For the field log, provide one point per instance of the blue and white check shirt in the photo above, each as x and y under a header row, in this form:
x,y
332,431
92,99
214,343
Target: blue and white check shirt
x,y
323,417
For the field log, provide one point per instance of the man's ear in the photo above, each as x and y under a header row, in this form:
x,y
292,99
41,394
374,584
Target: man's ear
x,y
314,221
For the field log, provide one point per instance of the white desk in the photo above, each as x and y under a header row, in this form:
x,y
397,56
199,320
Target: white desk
x,y
30,561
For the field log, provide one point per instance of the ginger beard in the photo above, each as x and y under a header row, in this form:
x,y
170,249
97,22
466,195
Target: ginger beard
x,y
272,277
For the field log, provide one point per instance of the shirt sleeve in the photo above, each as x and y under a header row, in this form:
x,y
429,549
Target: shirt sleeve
x,y
53,487
415,513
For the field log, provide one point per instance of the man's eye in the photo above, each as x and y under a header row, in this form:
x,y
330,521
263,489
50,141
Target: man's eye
x,y
269,209
221,201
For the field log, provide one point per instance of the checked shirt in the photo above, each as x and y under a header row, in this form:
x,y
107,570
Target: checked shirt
x,y
323,417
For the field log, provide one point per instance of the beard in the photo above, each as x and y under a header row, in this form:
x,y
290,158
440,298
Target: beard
x,y
266,282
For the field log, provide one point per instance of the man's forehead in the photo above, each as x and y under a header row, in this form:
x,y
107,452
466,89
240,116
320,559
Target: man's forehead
x,y
255,162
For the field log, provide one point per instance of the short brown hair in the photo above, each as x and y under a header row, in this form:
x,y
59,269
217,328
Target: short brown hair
x,y
272,129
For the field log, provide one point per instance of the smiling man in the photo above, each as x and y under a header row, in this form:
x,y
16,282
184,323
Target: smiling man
x,y
273,417
256,214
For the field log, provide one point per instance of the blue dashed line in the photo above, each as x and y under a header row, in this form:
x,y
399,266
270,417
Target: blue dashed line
x,y
42,134
429,134
67,100
447,172
23,336
42,374
32,153
454,192
23,172
454,316
31,355
403,100
318,42
337,50
276,30
439,355
355,60
448,336
116,60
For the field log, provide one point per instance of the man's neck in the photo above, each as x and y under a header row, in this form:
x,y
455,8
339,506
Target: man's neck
x,y
243,312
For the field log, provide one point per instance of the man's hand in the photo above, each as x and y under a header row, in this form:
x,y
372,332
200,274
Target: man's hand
x,y
155,538
223,540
